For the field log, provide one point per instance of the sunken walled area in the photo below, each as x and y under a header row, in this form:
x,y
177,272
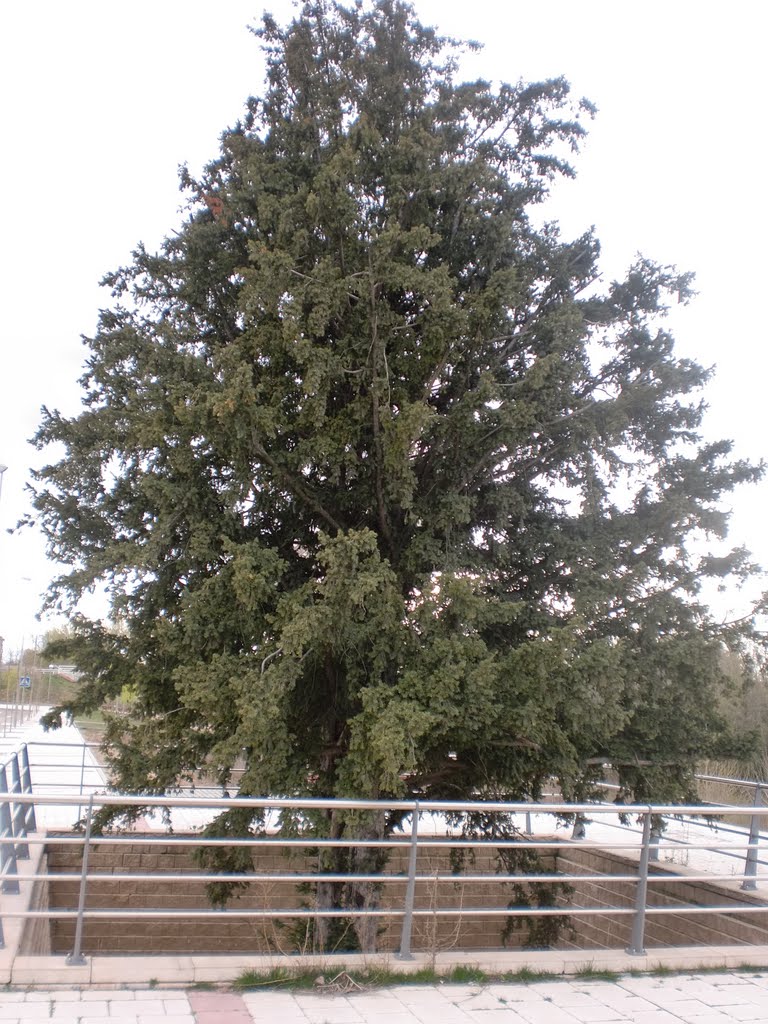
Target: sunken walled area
x,y
232,934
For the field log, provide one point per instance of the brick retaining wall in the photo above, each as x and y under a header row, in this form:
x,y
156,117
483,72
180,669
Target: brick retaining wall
x,y
683,929
237,935
234,935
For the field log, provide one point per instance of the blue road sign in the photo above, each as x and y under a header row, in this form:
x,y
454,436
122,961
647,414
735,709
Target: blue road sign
x,y
25,682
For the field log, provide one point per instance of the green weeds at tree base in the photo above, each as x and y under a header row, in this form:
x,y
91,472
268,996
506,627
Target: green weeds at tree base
x,y
288,979
380,977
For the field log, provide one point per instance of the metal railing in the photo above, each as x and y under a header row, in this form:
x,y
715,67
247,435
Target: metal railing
x,y
17,708
421,821
17,819
101,768
757,811
88,764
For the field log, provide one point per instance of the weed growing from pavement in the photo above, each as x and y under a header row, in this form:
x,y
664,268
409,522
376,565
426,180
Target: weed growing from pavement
x,y
596,974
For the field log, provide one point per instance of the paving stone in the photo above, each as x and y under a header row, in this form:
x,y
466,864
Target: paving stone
x,y
64,995
163,993
70,1011
453,1015
563,993
22,1011
596,1013
619,999
686,1008
545,1013
729,978
655,1017
84,1019
387,1017
121,1007
173,1007
747,1011
176,1018
383,1001
713,1017
322,1009
484,999
503,1016
513,994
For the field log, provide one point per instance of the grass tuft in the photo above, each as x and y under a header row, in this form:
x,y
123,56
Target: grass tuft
x,y
276,977
463,974
526,975
596,974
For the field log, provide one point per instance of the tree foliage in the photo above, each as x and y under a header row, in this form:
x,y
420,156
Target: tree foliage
x,y
391,492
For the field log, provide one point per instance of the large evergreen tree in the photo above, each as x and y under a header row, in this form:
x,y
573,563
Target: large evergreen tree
x,y
391,493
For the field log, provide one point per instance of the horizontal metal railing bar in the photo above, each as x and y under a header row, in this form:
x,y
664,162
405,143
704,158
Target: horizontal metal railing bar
x,y
700,777
251,877
716,828
733,850
539,808
92,766
293,912
133,838
89,745
719,825
40,787
98,912
749,783
680,843
407,806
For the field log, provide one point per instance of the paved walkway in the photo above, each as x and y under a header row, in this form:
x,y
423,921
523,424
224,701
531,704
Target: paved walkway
x,y
680,999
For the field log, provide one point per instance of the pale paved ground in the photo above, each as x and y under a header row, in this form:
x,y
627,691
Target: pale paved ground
x,y
680,999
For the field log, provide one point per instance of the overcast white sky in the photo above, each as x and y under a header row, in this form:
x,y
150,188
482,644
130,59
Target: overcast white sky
x,y
102,101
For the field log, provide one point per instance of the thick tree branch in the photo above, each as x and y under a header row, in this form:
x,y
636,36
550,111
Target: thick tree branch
x,y
294,484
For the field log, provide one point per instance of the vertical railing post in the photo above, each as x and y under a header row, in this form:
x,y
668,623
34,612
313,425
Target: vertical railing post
x,y
82,767
750,863
19,811
82,777
636,943
26,787
410,889
8,870
76,958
